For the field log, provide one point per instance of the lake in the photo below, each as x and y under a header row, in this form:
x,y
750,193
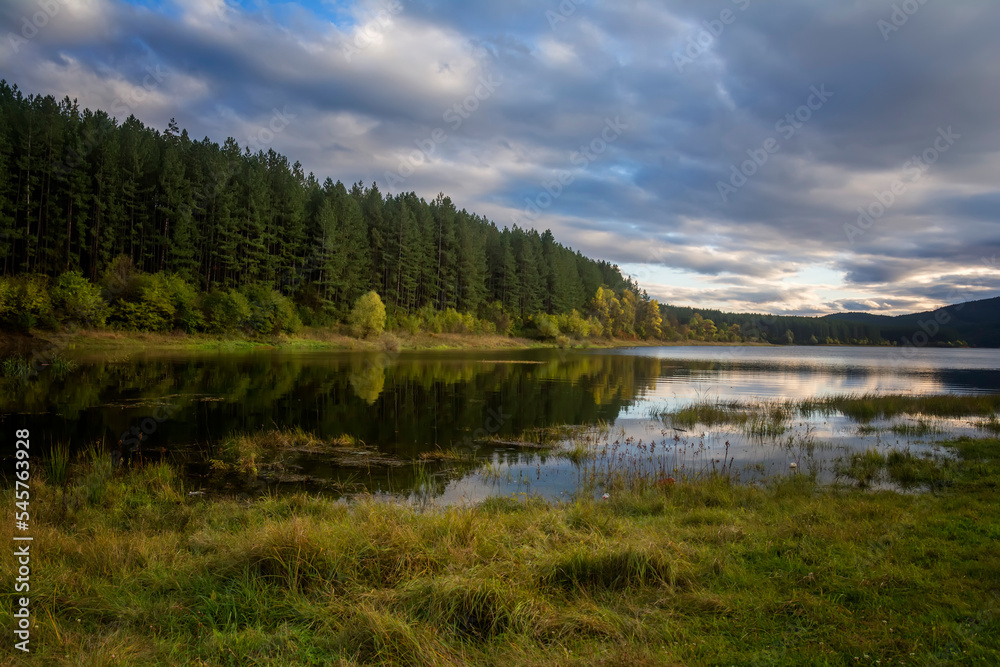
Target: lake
x,y
402,410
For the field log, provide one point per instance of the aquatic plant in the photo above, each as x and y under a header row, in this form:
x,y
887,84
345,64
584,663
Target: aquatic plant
x,y
16,366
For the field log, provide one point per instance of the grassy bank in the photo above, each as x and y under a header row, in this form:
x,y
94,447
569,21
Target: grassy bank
x,y
128,568
103,340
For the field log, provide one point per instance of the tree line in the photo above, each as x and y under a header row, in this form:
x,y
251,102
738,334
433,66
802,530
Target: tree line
x,y
118,224
842,329
84,194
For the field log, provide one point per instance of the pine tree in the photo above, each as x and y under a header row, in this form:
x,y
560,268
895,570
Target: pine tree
x,y
78,191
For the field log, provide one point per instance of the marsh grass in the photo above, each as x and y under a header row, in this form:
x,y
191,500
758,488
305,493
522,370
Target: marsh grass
x,y
871,406
21,367
698,572
541,437
865,467
61,366
16,366
771,418
496,473
991,425
899,467
756,420
910,471
919,428
252,454
57,464
450,454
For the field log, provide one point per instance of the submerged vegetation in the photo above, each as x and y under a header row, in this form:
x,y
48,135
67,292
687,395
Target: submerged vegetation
x,y
136,569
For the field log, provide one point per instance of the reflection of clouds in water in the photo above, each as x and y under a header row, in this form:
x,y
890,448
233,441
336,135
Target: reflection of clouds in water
x,y
815,444
671,393
889,358
695,374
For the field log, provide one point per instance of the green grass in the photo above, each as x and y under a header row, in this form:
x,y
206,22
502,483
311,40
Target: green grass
x,y
706,572
768,418
863,467
250,454
866,407
901,468
915,429
758,419
991,425
16,366
310,338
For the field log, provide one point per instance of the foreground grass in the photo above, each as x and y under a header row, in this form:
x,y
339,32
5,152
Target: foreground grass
x,y
130,569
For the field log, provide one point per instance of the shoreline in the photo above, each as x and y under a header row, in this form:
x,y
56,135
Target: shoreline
x,y
312,339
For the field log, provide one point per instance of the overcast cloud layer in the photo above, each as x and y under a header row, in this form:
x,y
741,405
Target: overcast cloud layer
x,y
629,128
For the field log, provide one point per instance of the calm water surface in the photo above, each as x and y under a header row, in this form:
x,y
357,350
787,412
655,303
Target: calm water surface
x,y
400,406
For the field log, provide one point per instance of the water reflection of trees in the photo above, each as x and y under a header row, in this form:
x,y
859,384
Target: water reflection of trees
x,y
404,407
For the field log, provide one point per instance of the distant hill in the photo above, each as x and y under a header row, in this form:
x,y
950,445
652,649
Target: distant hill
x,y
975,323
868,318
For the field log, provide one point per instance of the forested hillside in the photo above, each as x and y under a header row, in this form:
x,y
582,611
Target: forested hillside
x,y
118,224
82,193
975,323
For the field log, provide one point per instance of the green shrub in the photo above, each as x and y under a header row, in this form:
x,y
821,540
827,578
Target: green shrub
x,y
261,310
31,305
76,299
409,323
7,297
432,320
270,311
502,321
286,318
574,325
547,325
451,321
153,302
187,316
153,308
367,318
120,279
225,310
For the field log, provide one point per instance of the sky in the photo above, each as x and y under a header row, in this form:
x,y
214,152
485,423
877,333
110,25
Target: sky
x,y
788,156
